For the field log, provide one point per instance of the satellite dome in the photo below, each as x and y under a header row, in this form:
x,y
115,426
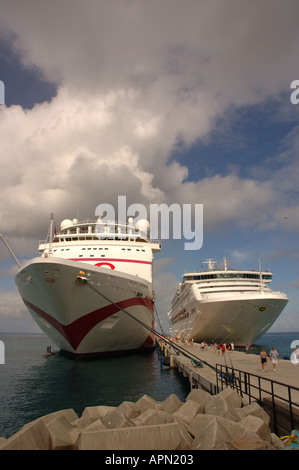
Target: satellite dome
x,y
65,223
143,225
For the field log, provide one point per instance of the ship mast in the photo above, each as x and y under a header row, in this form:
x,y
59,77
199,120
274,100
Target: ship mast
x,y
261,277
50,233
210,262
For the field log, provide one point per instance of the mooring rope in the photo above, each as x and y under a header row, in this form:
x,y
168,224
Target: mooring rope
x,y
183,351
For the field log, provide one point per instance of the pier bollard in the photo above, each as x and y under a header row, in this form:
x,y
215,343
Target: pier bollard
x,y
192,382
172,364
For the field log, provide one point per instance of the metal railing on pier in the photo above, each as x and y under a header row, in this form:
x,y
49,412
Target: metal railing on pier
x,y
280,400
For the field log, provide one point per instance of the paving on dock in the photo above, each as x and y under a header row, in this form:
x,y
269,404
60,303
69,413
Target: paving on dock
x,y
286,372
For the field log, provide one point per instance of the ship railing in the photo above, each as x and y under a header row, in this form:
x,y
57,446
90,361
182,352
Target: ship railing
x,y
94,236
101,231
98,236
280,400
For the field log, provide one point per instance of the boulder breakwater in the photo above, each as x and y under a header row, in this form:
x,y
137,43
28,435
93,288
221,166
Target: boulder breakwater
x,y
201,422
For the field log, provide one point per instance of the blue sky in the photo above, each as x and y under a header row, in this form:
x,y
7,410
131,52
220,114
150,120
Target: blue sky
x,y
124,98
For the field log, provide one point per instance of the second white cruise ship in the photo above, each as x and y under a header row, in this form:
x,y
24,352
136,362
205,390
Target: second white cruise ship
x,y
225,305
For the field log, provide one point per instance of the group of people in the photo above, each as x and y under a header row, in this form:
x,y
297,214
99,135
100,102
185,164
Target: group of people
x,y
221,348
273,356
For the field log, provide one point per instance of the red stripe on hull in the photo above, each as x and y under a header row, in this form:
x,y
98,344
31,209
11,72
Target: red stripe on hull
x,y
78,329
116,260
150,340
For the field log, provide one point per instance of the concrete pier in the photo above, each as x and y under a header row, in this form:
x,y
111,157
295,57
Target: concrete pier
x,y
273,389
286,371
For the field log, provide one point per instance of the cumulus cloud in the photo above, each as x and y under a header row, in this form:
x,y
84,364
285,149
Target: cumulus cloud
x,y
133,83
14,317
137,80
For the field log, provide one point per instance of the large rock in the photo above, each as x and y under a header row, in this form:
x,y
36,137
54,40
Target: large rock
x,y
211,431
200,396
116,419
156,437
186,439
97,425
218,406
276,442
152,416
250,441
96,412
188,411
146,402
203,422
3,441
257,426
231,396
35,435
63,436
129,409
171,404
254,409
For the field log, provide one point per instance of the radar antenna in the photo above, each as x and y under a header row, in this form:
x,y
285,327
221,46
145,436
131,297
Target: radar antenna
x,y
211,263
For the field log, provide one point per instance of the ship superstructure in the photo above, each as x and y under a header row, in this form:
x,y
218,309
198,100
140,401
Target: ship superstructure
x,y
225,305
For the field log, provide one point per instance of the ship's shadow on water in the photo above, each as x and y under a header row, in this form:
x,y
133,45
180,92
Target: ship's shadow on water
x,y
33,385
103,355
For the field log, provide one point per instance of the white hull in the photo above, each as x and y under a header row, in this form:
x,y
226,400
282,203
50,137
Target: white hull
x,y
78,319
240,321
225,306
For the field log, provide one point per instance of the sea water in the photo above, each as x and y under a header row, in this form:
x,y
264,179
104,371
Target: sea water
x,y
33,385
282,342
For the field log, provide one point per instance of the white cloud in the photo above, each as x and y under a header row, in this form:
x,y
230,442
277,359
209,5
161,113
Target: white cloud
x,y
8,302
288,321
136,80
73,153
14,316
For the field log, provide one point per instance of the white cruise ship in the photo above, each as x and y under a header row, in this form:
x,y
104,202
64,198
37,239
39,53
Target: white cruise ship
x,y
225,305
90,290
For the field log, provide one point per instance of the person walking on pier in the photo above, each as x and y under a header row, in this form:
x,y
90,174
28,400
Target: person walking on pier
x,y
263,356
274,356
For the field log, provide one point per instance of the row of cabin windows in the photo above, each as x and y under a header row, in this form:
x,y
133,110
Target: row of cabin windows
x,y
123,249
103,237
102,229
202,277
